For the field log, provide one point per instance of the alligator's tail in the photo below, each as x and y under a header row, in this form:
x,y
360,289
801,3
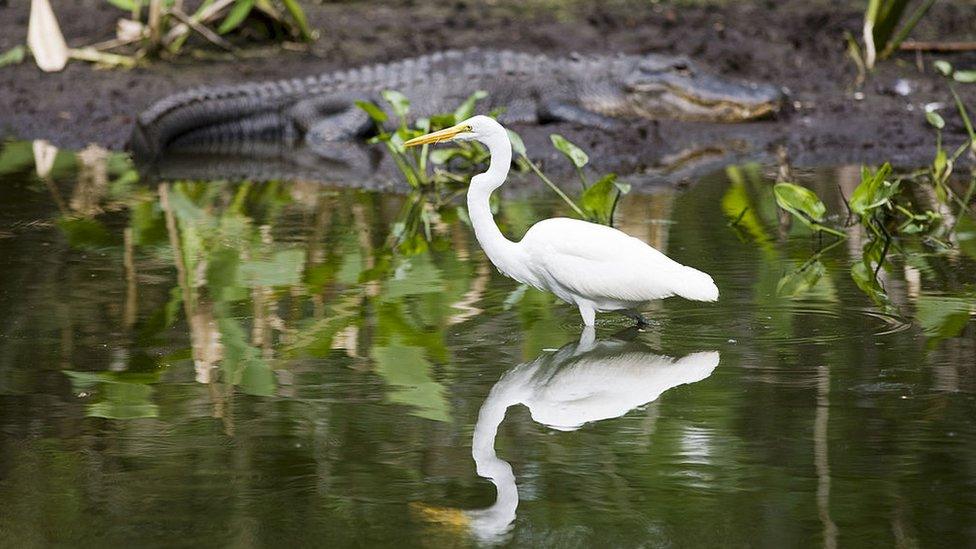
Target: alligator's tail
x,y
214,114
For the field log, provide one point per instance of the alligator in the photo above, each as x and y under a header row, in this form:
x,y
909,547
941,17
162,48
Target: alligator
x,y
315,112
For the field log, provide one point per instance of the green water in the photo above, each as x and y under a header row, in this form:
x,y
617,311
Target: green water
x,y
226,364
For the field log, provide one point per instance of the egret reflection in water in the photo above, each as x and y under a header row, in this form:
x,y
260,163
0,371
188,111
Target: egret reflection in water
x,y
586,381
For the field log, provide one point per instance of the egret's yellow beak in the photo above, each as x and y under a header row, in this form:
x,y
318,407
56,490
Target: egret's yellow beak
x,y
446,134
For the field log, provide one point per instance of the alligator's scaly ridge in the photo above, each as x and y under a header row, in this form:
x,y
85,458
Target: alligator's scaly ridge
x,y
585,89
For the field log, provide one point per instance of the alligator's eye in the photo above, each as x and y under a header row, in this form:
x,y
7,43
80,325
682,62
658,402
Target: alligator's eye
x,y
682,68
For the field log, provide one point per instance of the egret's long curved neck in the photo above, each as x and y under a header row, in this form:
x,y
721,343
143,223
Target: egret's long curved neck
x,y
501,251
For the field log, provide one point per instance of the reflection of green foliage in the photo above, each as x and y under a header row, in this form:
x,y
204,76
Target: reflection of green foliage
x,y
283,268
944,316
224,237
867,281
801,280
408,371
413,276
738,207
242,364
85,232
120,395
15,156
966,234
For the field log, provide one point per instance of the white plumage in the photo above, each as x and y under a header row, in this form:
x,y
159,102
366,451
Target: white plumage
x,y
594,267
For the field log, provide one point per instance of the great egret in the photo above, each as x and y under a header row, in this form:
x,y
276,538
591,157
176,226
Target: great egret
x,y
580,383
594,267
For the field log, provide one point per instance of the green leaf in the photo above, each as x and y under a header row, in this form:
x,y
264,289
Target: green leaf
x,y
377,114
801,202
574,153
600,199
238,13
966,77
12,56
442,120
466,109
873,191
935,119
518,146
127,5
944,67
940,164
299,17
444,155
399,102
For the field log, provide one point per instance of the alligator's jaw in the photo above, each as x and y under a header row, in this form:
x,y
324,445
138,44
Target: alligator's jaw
x,y
706,100
680,105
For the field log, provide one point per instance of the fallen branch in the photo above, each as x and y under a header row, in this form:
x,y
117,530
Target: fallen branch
x,y
210,35
937,46
203,16
95,56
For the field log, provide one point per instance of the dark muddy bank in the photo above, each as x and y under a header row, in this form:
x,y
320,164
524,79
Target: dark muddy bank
x,y
796,45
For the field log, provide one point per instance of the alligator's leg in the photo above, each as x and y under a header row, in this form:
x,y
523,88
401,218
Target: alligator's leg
x,y
332,125
332,117
567,112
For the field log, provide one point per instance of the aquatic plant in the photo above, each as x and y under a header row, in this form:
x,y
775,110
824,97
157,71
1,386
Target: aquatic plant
x,y
434,170
450,165
597,201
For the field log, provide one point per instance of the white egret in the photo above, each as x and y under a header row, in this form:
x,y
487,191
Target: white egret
x,y
595,267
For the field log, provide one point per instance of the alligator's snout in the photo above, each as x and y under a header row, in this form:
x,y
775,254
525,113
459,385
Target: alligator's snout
x,y
687,94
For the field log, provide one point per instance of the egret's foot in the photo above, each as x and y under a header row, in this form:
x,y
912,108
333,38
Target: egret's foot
x,y
641,321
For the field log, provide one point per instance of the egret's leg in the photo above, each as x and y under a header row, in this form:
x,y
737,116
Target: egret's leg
x,y
586,340
636,317
588,313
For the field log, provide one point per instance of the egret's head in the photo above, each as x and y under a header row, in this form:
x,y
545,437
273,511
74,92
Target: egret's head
x,y
480,128
673,87
488,132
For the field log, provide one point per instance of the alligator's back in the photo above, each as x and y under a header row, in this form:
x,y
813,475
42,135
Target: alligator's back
x,y
434,83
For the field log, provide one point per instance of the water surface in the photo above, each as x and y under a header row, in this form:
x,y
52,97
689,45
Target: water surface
x,y
251,364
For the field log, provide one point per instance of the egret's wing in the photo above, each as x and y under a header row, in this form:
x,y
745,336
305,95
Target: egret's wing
x,y
601,262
